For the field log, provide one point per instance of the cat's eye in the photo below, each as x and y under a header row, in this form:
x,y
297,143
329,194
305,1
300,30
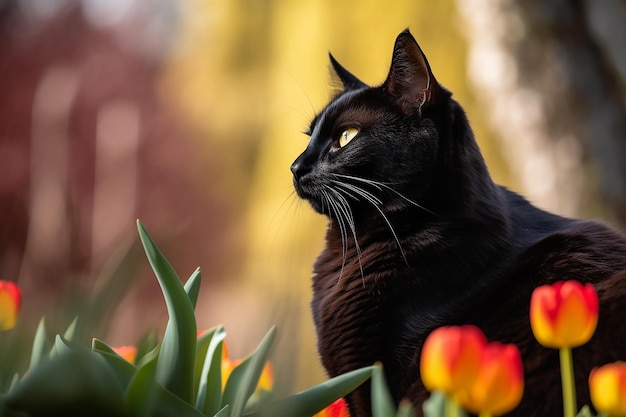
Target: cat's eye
x,y
347,135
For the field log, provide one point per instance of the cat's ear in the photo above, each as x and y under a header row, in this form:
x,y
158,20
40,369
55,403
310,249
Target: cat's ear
x,y
410,80
348,81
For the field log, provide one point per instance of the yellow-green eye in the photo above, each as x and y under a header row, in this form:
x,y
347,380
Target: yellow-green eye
x,y
347,135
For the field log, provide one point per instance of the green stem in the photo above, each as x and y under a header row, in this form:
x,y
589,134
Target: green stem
x,y
567,382
451,409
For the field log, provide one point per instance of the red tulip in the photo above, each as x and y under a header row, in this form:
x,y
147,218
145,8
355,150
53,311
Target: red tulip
x,y
499,384
564,314
450,358
337,409
10,304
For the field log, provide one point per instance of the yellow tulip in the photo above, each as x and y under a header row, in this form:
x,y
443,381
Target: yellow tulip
x,y
450,358
564,314
499,384
607,386
10,304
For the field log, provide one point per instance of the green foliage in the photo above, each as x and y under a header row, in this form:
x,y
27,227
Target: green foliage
x,y
181,376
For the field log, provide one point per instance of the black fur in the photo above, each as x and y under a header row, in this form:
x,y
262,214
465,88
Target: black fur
x,y
419,236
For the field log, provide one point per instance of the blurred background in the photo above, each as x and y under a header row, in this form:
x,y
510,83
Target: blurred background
x,y
187,115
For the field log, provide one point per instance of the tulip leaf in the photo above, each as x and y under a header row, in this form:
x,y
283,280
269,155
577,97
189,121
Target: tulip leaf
x,y
70,332
41,346
224,412
175,366
210,383
61,345
192,286
167,404
244,378
122,369
586,412
434,406
146,345
405,409
141,391
74,382
313,400
382,403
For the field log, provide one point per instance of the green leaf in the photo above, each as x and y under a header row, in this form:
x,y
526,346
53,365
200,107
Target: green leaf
x,y
209,395
146,344
122,369
244,378
61,345
167,404
586,412
314,400
41,347
434,406
405,409
175,367
382,403
224,412
140,398
70,332
192,287
74,382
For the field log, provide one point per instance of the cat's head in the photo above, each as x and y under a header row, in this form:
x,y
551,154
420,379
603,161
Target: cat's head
x,y
375,148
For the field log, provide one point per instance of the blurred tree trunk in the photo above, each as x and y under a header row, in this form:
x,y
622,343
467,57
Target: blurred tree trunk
x,y
552,75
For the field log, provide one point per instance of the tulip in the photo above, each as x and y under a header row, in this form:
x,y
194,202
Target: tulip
x,y
10,304
450,358
607,386
499,383
337,409
564,315
127,352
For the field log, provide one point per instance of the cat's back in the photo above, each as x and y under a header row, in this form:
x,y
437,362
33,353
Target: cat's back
x,y
553,248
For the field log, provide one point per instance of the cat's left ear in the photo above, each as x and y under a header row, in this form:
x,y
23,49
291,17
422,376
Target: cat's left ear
x,y
410,79
349,81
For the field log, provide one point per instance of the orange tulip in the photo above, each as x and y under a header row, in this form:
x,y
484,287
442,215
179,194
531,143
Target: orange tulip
x,y
10,304
564,314
450,358
127,352
607,386
499,384
337,409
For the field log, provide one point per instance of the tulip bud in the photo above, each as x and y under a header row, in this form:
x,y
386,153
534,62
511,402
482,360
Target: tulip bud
x,y
564,314
450,358
607,386
499,383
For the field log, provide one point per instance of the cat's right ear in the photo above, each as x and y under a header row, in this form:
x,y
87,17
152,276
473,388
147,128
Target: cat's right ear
x,y
348,81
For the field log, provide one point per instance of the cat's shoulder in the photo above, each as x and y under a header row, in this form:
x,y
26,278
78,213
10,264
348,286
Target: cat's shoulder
x,y
561,246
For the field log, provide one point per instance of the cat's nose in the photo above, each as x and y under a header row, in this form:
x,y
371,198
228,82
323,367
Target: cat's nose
x,y
299,168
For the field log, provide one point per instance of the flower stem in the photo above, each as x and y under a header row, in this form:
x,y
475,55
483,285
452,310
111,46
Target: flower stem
x,y
451,409
567,382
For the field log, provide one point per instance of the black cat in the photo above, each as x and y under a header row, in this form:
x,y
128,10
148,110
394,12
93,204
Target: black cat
x,y
419,236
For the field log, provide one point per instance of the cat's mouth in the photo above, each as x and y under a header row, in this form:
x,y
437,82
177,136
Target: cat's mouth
x,y
306,190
